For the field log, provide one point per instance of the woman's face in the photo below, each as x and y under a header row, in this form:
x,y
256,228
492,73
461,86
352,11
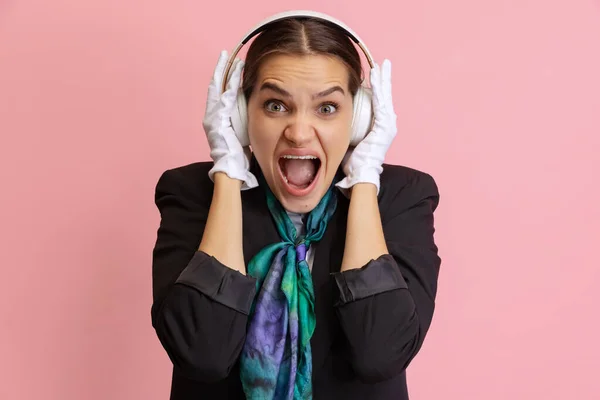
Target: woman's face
x,y
299,117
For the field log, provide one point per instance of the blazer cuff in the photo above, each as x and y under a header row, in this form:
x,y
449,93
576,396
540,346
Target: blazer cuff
x,y
378,276
218,282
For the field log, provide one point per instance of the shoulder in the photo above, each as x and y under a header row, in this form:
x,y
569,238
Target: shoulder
x,y
190,182
403,187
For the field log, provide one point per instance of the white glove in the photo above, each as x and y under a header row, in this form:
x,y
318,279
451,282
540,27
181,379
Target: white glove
x,y
363,164
225,149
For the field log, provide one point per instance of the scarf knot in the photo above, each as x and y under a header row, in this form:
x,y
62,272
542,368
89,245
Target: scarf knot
x,y
301,252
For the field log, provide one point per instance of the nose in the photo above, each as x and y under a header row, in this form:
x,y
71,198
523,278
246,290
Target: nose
x,y
300,130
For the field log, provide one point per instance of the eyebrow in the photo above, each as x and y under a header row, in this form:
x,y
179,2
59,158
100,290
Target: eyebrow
x,y
275,88
285,93
327,92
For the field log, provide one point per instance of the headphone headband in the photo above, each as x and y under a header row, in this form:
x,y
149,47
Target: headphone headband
x,y
295,14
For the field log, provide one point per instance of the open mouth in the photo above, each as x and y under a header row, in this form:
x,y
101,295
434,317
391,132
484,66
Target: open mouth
x,y
299,173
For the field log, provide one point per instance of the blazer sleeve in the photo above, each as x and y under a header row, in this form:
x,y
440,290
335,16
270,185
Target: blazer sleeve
x,y
200,307
385,308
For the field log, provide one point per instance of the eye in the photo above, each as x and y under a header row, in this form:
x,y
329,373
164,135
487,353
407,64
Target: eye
x,y
328,108
274,106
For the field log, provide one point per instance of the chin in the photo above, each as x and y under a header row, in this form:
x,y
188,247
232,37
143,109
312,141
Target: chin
x,y
301,205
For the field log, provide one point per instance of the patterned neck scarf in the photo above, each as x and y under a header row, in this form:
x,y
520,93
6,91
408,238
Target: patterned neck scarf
x,y
276,361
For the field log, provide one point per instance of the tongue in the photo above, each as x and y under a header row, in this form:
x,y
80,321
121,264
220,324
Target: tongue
x,y
299,172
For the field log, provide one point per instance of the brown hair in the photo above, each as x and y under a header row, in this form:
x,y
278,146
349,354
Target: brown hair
x,y
301,36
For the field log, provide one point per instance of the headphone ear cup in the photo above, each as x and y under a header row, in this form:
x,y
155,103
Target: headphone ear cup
x,y
362,119
239,119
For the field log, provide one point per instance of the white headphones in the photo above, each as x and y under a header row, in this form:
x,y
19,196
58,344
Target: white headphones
x,y
362,119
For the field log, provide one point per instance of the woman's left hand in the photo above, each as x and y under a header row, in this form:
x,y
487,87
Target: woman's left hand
x,y
364,163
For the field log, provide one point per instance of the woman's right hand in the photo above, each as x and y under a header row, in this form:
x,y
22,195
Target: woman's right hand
x,y
225,148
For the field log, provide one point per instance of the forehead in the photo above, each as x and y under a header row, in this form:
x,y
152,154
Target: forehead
x,y
308,70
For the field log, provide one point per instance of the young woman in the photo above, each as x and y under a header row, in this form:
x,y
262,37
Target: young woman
x,y
306,268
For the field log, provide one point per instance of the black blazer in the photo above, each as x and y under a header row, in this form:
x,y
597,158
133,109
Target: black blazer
x,y
371,322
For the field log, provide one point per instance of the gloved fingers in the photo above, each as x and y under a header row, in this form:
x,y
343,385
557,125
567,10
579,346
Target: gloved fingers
x,y
216,83
234,81
386,82
217,78
381,83
376,86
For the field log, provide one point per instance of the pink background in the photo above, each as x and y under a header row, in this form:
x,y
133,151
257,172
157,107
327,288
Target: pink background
x,y
498,100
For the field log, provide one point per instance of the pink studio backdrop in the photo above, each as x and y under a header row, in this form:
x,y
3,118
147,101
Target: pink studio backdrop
x,y
498,100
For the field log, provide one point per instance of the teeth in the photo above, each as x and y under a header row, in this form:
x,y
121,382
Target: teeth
x,y
299,157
